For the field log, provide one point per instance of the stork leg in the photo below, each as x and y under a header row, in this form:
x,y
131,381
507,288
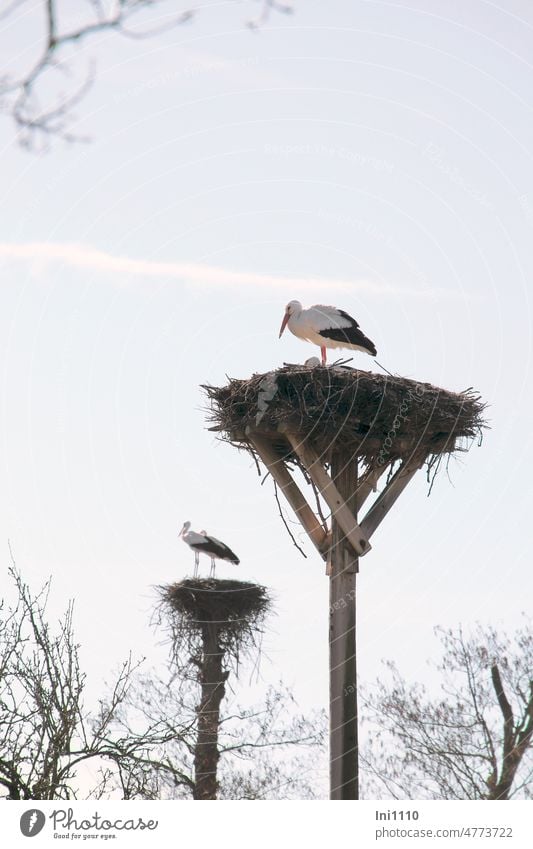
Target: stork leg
x,y
212,572
323,352
196,564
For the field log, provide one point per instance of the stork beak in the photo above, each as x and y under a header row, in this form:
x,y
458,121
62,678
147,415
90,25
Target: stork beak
x,y
283,324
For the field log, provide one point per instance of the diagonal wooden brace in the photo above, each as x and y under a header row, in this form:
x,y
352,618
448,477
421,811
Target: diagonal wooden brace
x,y
368,484
390,495
291,491
340,510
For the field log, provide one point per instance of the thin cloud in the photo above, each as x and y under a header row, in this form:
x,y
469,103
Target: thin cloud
x,y
38,255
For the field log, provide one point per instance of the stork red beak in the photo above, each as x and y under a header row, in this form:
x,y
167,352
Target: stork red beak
x,y
283,324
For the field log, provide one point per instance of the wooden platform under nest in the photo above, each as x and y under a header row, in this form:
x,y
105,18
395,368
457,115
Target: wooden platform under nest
x,y
374,417
337,422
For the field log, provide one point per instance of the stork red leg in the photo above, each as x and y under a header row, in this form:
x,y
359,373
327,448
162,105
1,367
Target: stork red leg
x,y
323,352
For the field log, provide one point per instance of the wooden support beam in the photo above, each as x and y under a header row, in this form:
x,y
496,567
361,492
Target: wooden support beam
x,y
389,496
277,468
336,503
368,484
344,753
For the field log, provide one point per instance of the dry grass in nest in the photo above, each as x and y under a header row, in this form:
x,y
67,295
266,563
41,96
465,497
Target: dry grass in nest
x,y
344,409
234,609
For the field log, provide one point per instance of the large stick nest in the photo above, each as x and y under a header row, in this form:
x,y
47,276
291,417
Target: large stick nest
x,y
374,417
235,610
228,604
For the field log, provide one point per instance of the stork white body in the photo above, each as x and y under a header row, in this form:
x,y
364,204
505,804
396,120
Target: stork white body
x,y
327,327
203,543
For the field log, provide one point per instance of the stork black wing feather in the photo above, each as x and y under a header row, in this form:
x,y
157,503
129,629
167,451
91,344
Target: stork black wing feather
x,y
352,335
217,549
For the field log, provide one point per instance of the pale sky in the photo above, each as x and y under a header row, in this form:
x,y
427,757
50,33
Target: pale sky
x,y
374,155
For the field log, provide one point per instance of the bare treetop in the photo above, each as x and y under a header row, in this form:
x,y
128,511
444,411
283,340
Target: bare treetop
x,y
472,741
26,94
46,733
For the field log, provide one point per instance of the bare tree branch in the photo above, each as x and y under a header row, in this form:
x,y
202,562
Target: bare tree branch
x,y
45,731
21,93
476,742
516,739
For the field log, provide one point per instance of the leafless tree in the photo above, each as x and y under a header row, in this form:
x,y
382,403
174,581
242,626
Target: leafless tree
x,y
141,740
474,740
31,94
46,735
267,751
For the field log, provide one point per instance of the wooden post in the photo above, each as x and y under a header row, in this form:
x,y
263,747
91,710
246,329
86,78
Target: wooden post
x,y
212,679
344,755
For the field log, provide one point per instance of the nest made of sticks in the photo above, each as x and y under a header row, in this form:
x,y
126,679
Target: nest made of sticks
x,y
234,610
228,604
375,417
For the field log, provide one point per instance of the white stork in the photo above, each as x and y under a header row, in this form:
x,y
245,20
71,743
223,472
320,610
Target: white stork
x,y
202,543
327,327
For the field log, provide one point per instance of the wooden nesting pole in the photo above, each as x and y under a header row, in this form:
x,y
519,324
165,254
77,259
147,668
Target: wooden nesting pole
x,y
344,430
212,678
214,624
344,768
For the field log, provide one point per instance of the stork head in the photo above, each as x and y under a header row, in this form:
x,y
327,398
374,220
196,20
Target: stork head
x,y
292,308
185,528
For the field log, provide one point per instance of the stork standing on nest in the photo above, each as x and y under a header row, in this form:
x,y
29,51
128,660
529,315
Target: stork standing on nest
x,y
202,543
327,327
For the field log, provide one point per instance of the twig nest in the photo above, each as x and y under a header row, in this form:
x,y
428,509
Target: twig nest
x,y
226,603
343,409
233,611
